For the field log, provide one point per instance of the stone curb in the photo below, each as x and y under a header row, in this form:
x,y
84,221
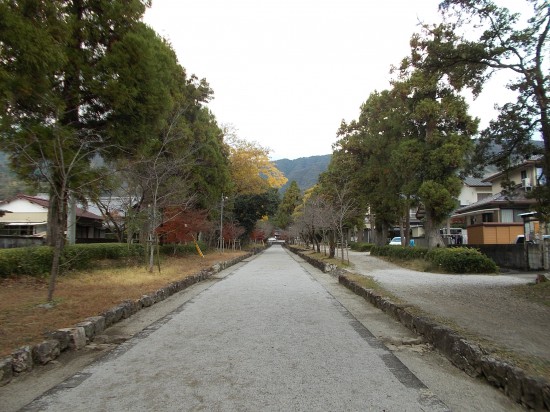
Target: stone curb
x,y
24,359
532,392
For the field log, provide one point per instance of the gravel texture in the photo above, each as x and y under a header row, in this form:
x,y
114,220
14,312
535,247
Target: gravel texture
x,y
268,337
484,305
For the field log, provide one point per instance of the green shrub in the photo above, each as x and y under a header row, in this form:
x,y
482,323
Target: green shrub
x,y
461,260
378,251
399,252
361,246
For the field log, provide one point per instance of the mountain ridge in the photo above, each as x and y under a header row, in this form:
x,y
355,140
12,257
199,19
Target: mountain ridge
x,y
304,170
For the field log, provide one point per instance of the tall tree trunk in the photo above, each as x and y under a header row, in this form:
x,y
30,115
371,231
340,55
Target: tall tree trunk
x,y
153,238
432,231
380,233
56,264
58,240
407,224
317,244
331,244
342,240
57,216
151,253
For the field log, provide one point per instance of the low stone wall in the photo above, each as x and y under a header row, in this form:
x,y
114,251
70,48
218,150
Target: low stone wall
x,y
506,256
324,266
26,358
513,256
532,392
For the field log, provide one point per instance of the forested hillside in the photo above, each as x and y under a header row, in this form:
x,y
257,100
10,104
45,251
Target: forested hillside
x,y
305,170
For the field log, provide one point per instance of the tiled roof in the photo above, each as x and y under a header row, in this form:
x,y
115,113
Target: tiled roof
x,y
476,181
84,213
33,199
46,203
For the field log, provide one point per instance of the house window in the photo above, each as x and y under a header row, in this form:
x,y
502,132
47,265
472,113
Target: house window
x,y
487,217
16,230
82,232
507,215
481,196
523,174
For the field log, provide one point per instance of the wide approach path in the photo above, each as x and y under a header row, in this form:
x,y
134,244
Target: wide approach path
x,y
266,337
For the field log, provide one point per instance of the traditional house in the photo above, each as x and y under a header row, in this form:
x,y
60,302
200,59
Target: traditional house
x,y
27,217
496,217
473,190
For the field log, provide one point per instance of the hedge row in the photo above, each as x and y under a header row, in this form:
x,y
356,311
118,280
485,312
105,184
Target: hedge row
x,y
454,260
37,260
361,246
26,260
399,252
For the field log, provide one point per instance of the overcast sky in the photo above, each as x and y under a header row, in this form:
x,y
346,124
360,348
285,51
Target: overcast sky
x,y
285,73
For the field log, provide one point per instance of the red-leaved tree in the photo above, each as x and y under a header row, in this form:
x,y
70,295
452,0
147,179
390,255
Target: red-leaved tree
x,y
181,225
231,233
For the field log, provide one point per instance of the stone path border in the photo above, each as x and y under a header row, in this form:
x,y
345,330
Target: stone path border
x,y
532,392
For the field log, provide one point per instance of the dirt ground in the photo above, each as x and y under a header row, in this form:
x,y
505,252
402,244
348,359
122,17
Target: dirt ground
x,y
485,308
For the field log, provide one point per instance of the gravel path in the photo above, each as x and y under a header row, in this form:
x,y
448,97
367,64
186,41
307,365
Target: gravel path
x,y
268,337
482,304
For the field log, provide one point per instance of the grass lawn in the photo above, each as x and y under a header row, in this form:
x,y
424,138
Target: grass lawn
x,y
79,295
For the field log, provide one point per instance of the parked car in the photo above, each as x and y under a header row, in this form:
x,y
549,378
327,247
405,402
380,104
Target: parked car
x,y
396,241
